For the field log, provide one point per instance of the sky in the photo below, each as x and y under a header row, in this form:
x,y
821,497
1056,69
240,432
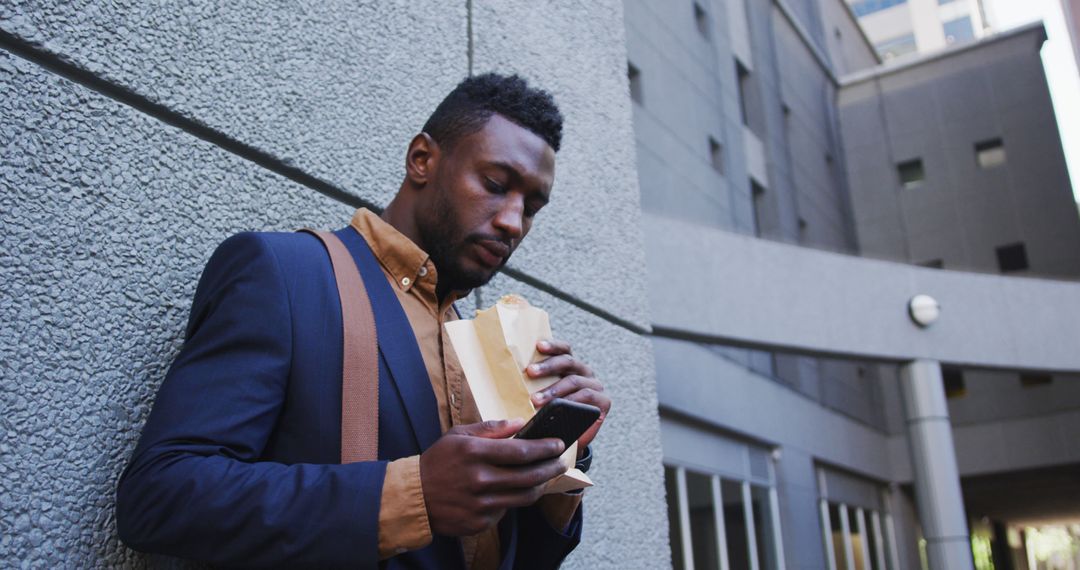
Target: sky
x,y
1060,63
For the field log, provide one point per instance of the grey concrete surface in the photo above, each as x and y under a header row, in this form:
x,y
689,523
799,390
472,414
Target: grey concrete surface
x,y
108,219
781,295
109,216
1046,440
689,95
848,47
626,517
335,88
588,240
344,107
695,381
937,109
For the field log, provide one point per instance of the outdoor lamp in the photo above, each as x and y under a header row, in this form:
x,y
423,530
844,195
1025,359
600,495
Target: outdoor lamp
x,y
924,310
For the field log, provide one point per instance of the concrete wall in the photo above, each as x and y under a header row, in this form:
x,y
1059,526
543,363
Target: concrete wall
x,y
937,111
849,48
689,93
205,120
778,295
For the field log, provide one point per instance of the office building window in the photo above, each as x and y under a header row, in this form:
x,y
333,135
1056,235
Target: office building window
x,y
701,20
757,197
990,153
959,30
911,173
634,75
896,47
953,378
1012,257
942,2
717,522
858,527
934,264
743,76
864,7
716,155
1034,379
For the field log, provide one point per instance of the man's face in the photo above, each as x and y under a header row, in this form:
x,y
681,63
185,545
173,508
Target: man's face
x,y
484,194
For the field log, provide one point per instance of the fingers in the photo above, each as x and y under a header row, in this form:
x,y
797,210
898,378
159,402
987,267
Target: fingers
x,y
513,451
566,386
504,479
552,347
491,429
560,365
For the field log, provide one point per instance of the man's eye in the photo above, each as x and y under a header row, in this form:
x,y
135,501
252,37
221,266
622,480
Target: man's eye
x,y
495,187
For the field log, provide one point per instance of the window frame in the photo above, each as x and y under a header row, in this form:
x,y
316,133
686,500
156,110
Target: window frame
x,y
745,489
886,555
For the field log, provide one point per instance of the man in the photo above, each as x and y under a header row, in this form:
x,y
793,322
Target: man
x,y
239,462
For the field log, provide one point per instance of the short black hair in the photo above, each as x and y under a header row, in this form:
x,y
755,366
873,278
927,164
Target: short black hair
x,y
469,106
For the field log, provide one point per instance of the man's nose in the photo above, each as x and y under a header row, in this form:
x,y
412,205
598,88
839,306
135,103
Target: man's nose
x,y
510,219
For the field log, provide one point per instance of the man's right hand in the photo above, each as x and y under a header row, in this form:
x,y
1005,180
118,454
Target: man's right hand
x,y
474,473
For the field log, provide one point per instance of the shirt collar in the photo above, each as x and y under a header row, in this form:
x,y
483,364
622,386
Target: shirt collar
x,y
407,264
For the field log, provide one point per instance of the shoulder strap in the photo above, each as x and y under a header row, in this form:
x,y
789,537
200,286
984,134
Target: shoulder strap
x,y
360,357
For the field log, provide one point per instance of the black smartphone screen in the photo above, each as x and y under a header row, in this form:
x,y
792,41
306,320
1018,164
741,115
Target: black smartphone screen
x,y
561,419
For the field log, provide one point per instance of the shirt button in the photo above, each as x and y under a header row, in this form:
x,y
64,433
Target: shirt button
x,y
423,271
405,281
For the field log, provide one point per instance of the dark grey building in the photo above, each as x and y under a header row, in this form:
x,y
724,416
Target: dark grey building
x,y
955,161
775,119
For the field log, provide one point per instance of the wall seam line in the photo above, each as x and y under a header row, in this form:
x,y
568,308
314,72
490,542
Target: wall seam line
x,y
58,66
469,35
126,96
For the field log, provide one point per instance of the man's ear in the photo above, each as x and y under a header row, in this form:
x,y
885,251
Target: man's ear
x,y
422,159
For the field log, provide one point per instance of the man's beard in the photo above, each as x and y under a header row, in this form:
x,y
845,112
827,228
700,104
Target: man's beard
x,y
447,246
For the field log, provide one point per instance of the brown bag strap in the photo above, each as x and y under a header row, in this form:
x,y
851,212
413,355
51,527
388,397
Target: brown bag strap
x,y
360,357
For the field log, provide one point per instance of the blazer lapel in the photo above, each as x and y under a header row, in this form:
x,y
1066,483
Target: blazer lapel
x,y
397,344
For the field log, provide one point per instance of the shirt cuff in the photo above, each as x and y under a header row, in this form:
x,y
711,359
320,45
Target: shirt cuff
x,y
403,519
559,509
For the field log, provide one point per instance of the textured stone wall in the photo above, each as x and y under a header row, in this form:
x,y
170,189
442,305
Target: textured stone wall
x,y
115,189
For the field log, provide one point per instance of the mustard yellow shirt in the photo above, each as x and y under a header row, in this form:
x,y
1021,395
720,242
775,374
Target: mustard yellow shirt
x,y
403,519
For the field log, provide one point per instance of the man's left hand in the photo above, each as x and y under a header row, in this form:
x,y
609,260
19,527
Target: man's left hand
x,y
576,383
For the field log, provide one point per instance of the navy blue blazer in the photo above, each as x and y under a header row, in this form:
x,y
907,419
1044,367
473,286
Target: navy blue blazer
x,y
239,461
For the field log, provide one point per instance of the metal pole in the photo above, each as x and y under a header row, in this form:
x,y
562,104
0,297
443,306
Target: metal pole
x,y
721,526
748,514
826,525
684,519
864,542
778,537
890,531
845,527
933,461
879,544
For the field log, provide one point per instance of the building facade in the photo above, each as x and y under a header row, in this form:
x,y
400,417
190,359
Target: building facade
x,y
900,27
782,453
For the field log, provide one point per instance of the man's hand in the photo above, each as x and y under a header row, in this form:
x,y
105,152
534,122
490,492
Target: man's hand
x,y
577,383
474,473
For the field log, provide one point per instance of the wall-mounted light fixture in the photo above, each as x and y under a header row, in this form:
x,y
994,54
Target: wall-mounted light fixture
x,y
924,310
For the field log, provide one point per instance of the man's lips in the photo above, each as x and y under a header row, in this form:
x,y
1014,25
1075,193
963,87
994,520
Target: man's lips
x,y
492,253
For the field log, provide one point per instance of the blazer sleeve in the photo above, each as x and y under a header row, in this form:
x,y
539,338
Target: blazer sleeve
x,y
541,547
195,487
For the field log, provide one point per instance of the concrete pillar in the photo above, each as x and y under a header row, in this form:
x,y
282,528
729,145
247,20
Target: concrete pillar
x,y
933,461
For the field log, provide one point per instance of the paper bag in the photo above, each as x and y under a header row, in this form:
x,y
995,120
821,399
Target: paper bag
x,y
494,349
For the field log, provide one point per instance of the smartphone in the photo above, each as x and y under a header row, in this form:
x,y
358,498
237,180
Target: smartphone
x,y
560,419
